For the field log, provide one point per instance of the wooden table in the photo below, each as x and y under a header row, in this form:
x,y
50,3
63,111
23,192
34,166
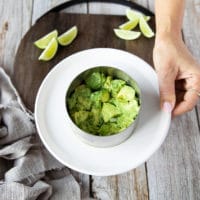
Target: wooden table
x,y
173,172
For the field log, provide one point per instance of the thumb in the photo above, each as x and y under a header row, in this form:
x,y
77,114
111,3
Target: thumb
x,y
166,81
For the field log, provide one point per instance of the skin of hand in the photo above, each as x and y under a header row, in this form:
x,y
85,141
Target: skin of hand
x,y
178,72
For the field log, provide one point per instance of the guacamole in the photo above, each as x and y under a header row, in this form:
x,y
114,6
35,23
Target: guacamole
x,y
103,105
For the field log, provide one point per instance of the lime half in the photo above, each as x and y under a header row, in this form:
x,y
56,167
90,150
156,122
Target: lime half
x,y
127,35
129,25
145,28
43,42
50,50
68,37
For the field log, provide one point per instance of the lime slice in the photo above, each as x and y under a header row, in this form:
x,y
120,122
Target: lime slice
x,y
129,25
43,42
145,28
50,50
68,37
127,35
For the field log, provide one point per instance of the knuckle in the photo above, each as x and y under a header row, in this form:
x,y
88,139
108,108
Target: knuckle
x,y
196,81
197,78
166,72
189,107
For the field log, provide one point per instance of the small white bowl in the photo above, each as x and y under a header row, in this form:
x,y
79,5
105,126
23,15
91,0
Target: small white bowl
x,y
57,135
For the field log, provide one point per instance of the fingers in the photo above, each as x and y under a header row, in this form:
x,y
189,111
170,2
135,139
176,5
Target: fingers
x,y
166,79
189,102
191,85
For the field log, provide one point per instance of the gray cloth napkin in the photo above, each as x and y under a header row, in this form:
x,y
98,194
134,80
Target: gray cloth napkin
x,y
26,167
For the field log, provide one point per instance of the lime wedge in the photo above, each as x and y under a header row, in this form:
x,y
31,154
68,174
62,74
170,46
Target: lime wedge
x,y
127,35
68,37
50,50
129,25
147,18
133,15
145,28
43,42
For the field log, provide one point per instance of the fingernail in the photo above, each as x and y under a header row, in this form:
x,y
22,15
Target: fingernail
x,y
167,107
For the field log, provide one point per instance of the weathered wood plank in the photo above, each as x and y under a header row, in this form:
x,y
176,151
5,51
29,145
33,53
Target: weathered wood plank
x,y
174,170
191,32
192,35
129,186
79,8
151,5
106,8
40,7
190,27
111,8
15,21
141,2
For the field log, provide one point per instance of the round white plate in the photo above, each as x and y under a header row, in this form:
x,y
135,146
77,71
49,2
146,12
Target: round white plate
x,y
63,144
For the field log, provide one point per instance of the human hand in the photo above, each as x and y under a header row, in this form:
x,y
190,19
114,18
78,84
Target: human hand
x,y
178,75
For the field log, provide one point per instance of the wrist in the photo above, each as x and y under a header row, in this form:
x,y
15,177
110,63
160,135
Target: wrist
x,y
168,37
168,27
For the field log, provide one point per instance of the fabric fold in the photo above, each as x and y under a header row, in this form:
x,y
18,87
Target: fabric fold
x,y
27,170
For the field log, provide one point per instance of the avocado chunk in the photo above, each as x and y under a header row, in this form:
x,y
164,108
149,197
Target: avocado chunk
x,y
105,95
94,81
80,116
126,93
109,111
107,83
108,129
116,86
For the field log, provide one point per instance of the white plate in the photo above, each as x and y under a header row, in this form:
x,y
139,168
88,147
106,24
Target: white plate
x,y
63,144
